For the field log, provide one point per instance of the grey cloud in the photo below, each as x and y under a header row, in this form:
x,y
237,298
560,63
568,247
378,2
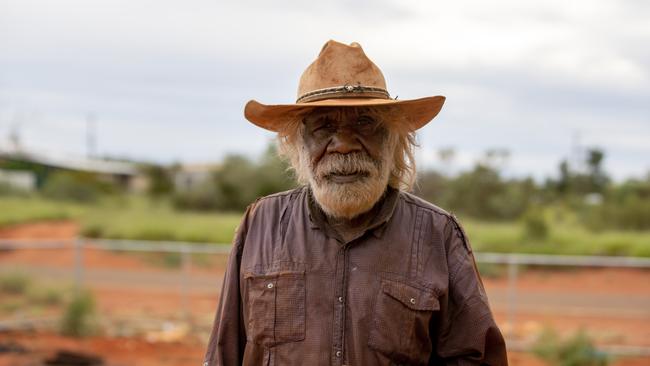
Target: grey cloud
x,y
182,78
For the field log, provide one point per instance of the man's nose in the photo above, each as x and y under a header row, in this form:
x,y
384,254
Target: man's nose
x,y
344,142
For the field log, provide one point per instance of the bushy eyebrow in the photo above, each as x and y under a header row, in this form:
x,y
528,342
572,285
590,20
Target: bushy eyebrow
x,y
322,114
338,114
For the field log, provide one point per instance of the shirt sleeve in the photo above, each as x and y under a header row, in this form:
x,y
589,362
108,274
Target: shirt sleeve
x,y
467,334
228,337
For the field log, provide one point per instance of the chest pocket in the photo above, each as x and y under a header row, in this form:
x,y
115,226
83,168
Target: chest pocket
x,y
400,328
276,306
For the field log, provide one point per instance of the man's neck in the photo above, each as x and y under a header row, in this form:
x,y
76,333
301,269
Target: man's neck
x,y
347,230
350,229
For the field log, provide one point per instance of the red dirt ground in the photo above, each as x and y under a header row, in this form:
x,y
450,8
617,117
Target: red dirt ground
x,y
122,298
114,351
57,230
130,351
64,258
127,351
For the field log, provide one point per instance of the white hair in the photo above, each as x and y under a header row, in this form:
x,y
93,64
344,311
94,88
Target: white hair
x,y
403,172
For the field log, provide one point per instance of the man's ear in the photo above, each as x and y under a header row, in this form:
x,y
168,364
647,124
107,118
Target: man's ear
x,y
301,130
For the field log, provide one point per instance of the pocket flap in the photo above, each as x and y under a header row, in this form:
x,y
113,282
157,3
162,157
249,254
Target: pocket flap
x,y
412,297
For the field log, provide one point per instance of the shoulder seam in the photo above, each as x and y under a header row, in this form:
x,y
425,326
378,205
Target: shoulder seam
x,y
431,207
451,218
291,192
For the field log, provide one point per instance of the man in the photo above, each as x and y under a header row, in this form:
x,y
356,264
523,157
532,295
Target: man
x,y
350,269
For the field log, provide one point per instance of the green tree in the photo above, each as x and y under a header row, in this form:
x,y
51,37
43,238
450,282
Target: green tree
x,y
273,173
235,183
473,192
75,186
433,187
160,180
597,177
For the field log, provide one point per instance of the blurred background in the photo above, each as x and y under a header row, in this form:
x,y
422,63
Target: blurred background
x,y
126,163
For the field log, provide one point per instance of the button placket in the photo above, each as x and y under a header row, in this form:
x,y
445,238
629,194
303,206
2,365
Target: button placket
x,y
339,311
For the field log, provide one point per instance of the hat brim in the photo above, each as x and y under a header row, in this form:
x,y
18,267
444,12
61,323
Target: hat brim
x,y
417,112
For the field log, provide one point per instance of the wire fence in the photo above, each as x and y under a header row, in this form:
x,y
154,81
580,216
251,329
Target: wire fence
x,y
186,250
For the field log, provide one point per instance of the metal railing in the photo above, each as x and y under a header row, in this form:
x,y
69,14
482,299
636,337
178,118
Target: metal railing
x,y
515,260
512,260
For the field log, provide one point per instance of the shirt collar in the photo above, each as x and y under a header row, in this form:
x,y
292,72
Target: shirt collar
x,y
377,226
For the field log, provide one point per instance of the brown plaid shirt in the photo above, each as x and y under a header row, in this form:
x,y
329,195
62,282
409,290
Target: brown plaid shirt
x,y
405,292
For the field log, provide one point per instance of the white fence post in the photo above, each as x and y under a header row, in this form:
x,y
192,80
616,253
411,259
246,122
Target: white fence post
x,y
78,264
512,294
186,261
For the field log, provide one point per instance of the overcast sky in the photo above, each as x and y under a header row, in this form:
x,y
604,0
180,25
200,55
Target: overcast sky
x,y
167,80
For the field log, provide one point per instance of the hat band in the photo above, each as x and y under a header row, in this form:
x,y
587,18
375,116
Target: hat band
x,y
345,91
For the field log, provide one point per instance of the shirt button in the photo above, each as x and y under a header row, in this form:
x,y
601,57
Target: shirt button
x,y
341,299
338,353
412,301
270,285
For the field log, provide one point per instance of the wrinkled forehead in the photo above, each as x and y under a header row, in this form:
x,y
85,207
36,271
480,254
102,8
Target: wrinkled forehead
x,y
340,113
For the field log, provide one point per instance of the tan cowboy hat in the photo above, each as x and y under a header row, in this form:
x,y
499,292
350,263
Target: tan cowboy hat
x,y
342,76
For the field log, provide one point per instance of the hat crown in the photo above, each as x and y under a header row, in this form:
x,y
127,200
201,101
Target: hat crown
x,y
342,76
339,65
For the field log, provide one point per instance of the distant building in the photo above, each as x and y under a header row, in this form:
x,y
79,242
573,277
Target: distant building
x,y
16,166
191,176
19,179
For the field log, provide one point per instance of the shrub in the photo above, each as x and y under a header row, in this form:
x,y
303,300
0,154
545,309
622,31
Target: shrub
x,y
9,190
45,295
11,306
535,226
625,206
630,214
165,260
491,270
172,260
78,319
160,180
575,351
203,198
78,187
14,283
92,230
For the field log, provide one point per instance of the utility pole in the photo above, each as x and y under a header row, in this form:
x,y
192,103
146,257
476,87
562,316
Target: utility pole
x,y
14,138
91,141
14,132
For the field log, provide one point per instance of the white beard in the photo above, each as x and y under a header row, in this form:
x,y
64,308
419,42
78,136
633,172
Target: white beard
x,y
348,200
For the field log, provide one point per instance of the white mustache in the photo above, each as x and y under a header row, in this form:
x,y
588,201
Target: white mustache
x,y
347,164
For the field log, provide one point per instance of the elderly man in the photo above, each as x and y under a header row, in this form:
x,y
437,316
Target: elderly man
x,y
350,269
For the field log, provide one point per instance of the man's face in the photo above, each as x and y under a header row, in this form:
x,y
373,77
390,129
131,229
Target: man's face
x,y
348,157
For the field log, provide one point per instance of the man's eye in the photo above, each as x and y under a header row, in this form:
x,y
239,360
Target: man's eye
x,y
326,126
365,122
